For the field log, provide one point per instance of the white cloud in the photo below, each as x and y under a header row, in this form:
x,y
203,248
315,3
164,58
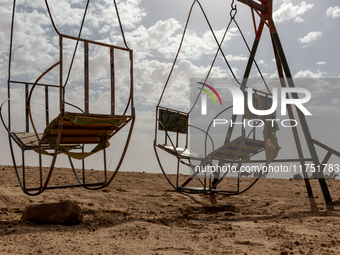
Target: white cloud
x,y
274,75
309,74
335,101
63,14
298,20
162,37
236,58
321,63
333,12
311,37
288,11
130,12
265,63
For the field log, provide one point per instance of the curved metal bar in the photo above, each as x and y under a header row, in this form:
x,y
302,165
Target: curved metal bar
x,y
240,192
207,132
161,166
76,47
74,106
10,145
2,120
42,188
130,101
179,48
30,95
157,156
49,13
15,167
74,170
212,142
120,24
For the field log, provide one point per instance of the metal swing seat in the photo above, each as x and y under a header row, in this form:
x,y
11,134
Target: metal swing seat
x,y
175,122
70,131
239,150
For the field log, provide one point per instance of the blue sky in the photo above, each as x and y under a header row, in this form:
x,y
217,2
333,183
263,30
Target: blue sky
x,y
153,28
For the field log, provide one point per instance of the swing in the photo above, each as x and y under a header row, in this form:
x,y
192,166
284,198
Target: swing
x,y
235,151
70,131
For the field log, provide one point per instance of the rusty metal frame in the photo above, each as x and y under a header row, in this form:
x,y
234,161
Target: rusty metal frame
x,y
29,88
182,188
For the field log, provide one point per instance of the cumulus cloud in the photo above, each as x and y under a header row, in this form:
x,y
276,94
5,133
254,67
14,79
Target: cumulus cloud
x,y
333,12
309,74
162,37
288,11
321,63
131,13
311,37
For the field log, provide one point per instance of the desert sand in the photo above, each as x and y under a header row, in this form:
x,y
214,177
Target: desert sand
x,y
139,213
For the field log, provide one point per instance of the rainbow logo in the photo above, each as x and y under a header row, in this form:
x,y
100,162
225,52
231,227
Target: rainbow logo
x,y
209,93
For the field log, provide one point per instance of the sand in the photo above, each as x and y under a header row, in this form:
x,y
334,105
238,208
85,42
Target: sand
x,y
139,213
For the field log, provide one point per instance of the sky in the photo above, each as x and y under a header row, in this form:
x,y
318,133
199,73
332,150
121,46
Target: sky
x,y
153,29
